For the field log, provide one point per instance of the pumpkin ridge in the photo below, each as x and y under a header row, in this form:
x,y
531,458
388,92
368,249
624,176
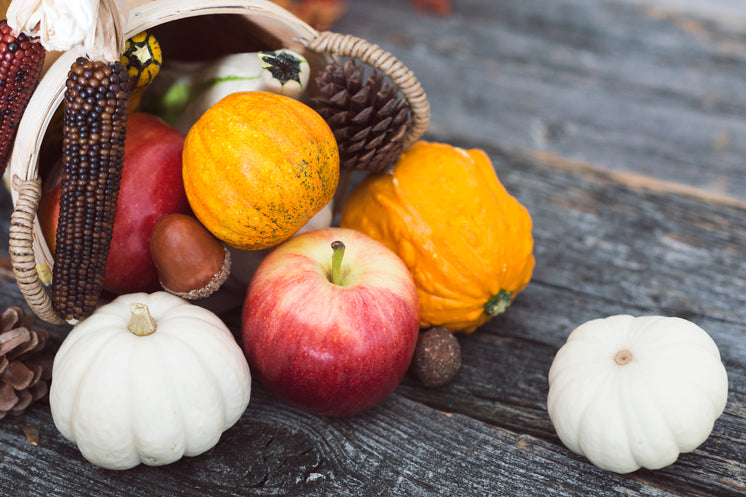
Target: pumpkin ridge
x,y
585,410
642,333
622,409
158,344
141,445
561,384
710,395
512,209
120,343
484,274
474,256
656,400
590,363
132,395
694,382
197,314
692,335
408,216
460,293
179,400
80,378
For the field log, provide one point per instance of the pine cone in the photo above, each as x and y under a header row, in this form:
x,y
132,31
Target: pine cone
x,y
25,369
369,118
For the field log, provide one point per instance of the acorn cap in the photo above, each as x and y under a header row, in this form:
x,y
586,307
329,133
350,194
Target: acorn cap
x,y
211,286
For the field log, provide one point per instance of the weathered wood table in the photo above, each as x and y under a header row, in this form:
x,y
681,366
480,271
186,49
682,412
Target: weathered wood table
x,y
621,126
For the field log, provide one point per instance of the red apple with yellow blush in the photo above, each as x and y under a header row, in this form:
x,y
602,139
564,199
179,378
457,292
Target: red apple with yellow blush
x,y
330,321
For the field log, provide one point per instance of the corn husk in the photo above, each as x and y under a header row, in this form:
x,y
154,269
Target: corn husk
x,y
96,25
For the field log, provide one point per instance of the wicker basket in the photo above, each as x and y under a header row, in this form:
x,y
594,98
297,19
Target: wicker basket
x,y
258,21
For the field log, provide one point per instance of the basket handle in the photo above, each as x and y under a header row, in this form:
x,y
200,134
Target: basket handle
x,y
21,250
373,55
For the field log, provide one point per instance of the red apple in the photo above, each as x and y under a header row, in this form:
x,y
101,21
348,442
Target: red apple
x,y
334,339
151,187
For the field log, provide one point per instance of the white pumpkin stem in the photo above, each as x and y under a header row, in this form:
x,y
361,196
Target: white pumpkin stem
x,y
623,357
141,323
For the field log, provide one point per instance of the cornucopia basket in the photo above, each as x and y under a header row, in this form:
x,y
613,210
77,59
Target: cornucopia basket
x,y
252,20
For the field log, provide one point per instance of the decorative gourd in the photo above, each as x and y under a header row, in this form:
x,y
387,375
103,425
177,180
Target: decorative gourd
x,y
283,72
630,392
257,166
143,59
128,389
465,239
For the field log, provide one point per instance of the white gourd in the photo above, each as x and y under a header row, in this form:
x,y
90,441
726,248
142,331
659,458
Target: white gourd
x,y
126,399
184,91
629,392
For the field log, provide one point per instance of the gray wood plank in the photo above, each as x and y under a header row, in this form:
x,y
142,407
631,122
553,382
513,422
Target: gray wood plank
x,y
400,448
568,97
603,247
619,84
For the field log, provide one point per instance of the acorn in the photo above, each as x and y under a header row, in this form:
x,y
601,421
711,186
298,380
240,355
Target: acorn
x,y
437,357
190,261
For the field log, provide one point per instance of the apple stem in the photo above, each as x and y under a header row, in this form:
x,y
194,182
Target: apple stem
x,y
141,322
339,252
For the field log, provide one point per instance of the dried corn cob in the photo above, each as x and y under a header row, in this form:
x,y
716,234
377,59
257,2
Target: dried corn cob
x,y
21,60
94,128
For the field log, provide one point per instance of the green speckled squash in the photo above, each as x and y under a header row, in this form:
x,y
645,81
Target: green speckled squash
x,y
257,167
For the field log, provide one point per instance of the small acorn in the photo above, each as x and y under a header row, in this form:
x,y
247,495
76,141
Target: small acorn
x,y
190,261
437,357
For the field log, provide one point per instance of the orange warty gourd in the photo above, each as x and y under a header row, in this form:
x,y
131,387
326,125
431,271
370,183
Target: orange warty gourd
x,y
465,239
257,166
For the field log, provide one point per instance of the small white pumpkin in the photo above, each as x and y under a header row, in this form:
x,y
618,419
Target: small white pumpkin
x,y
148,378
629,392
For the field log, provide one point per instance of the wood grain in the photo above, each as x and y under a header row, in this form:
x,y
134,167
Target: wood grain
x,y
659,91
620,126
602,247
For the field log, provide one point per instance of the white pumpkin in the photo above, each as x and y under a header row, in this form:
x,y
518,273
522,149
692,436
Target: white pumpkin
x,y
126,394
629,392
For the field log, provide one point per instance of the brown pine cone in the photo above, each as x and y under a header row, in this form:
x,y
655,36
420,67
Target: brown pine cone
x,y
368,117
25,369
